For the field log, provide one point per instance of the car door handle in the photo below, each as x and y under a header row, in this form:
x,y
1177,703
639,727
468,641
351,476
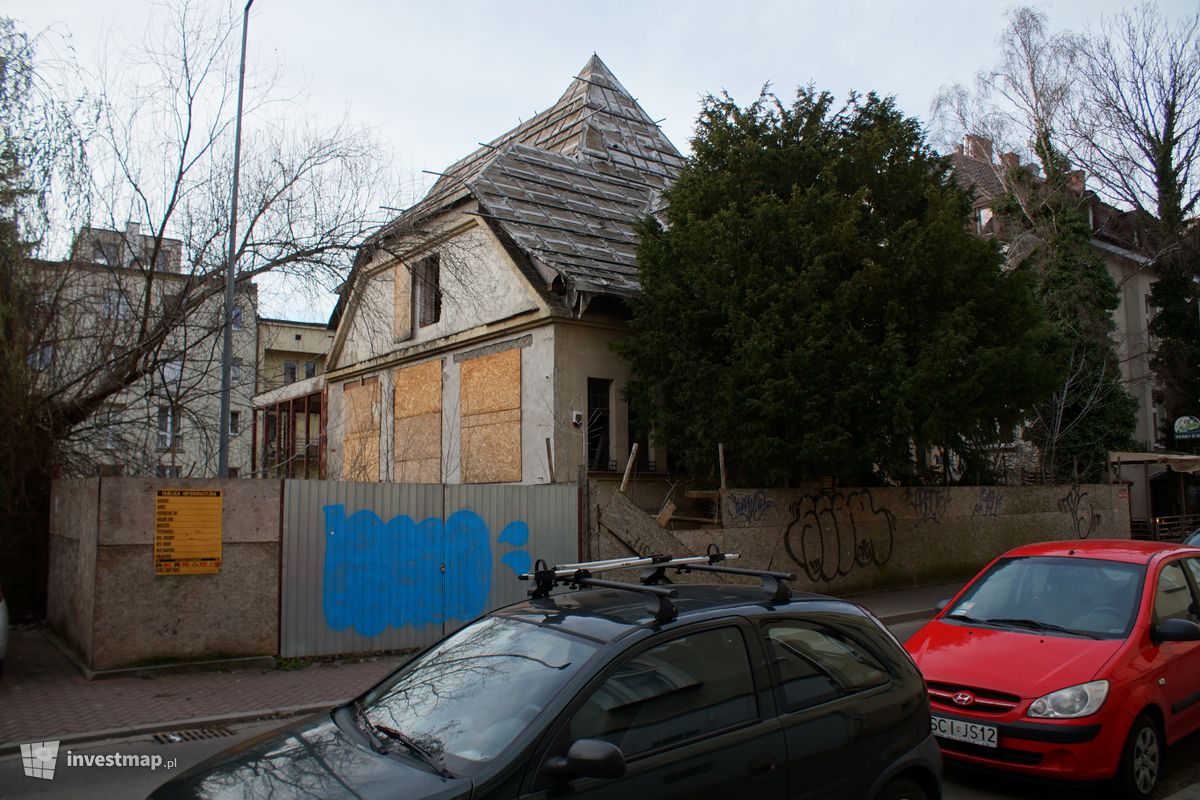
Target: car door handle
x,y
761,765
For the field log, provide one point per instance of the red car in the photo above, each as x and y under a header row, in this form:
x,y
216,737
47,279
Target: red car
x,y
1077,660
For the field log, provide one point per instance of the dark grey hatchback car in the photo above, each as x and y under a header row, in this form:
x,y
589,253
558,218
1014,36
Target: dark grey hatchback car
x,y
619,690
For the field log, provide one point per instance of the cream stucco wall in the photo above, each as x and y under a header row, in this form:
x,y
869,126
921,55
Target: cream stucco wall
x,y
1134,281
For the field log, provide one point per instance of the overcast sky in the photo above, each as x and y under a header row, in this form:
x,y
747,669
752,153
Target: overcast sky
x,y
436,78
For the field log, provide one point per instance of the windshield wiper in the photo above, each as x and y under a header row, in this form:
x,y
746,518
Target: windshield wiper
x,y
418,750
961,617
359,715
1037,625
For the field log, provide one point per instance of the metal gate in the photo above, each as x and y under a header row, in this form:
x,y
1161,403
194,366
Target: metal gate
x,y
380,566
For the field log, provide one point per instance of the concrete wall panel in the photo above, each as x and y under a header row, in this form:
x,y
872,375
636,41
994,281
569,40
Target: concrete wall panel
x,y
856,540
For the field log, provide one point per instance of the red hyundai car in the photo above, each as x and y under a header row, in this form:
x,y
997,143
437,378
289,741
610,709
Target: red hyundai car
x,y
1077,660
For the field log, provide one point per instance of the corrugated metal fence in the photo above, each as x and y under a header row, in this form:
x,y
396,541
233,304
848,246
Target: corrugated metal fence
x,y
379,566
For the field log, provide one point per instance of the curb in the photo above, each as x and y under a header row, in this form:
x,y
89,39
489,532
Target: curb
x,y
10,748
148,670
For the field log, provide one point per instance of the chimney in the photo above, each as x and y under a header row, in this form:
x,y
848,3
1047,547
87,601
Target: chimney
x,y
978,147
132,250
1010,160
1076,181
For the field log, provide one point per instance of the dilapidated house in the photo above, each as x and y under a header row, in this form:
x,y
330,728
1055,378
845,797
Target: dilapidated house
x,y
473,336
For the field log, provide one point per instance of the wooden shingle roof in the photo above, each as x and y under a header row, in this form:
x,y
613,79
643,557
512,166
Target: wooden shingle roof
x,y
568,185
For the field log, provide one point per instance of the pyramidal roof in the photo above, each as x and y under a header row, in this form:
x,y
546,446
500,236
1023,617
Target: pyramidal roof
x,y
596,118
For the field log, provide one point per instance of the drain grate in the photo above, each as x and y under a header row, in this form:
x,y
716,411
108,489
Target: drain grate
x,y
193,735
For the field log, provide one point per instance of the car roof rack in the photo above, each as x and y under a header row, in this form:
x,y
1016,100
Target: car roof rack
x,y
654,569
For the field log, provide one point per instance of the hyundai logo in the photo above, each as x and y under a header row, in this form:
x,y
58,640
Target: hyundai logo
x,y
964,698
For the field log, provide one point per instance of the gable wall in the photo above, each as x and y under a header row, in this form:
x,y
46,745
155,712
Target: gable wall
x,y
479,282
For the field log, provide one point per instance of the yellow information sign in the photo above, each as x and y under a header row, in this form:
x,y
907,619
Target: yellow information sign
x,y
187,531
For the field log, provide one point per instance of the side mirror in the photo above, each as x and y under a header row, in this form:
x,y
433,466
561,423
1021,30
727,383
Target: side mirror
x,y
588,758
941,604
1176,630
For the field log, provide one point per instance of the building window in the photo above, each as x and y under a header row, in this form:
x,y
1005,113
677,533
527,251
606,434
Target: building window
x,y
169,471
171,371
310,369
235,423
599,424
427,290
168,427
41,358
108,420
115,305
233,472
235,318
235,370
289,372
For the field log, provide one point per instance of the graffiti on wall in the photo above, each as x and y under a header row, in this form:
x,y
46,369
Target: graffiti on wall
x,y
749,508
928,501
379,574
989,504
831,534
1084,521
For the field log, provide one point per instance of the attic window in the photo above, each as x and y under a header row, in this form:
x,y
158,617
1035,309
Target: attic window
x,y
427,290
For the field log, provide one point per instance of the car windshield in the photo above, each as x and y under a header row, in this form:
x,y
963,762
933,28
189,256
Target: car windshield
x,y
1066,596
468,698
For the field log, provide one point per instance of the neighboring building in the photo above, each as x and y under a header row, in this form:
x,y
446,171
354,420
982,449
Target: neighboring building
x,y
165,423
289,410
977,168
290,351
474,335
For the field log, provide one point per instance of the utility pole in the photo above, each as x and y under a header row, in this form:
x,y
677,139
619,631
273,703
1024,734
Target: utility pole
x,y
231,264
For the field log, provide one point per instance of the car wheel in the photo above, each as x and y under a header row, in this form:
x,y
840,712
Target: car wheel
x,y
902,789
1141,760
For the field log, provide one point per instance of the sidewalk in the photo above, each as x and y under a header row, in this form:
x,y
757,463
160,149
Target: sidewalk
x,y
44,697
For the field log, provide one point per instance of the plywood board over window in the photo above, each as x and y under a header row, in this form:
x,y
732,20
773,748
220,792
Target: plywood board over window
x,y
360,452
401,303
490,396
418,423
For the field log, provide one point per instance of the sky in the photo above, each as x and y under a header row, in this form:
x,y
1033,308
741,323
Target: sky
x,y
436,78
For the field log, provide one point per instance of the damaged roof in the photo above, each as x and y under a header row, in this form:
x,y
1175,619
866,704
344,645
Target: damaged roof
x,y
567,186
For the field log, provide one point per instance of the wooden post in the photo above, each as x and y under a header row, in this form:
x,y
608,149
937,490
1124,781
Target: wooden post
x,y
721,456
629,467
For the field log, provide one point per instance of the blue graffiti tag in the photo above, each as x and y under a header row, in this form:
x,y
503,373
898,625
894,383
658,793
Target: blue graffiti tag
x,y
380,574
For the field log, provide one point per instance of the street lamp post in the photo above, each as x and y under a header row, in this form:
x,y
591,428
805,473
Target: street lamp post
x,y
231,264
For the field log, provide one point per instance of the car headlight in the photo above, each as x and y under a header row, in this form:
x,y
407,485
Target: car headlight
x,y
1072,702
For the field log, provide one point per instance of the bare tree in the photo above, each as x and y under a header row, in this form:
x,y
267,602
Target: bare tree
x,y
109,338
1023,104
1135,125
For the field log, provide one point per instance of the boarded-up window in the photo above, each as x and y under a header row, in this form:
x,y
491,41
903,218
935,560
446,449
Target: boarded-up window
x,y
360,452
490,394
418,423
401,303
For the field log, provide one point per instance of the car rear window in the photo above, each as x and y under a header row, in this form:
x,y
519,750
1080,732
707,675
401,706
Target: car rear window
x,y
813,664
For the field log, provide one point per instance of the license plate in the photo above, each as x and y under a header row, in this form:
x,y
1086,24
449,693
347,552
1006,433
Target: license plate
x,y
962,731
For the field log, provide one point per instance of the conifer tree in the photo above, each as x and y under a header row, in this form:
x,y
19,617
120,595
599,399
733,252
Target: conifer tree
x,y
813,299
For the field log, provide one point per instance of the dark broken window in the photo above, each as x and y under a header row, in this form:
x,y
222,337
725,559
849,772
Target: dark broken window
x,y
427,290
